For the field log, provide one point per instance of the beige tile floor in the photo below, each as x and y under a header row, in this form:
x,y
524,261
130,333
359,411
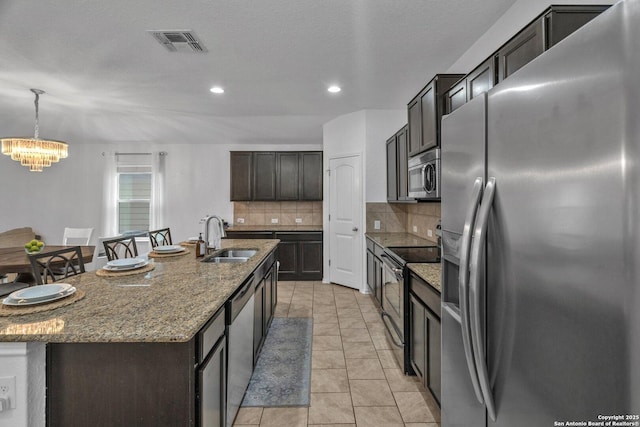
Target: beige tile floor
x,y
355,380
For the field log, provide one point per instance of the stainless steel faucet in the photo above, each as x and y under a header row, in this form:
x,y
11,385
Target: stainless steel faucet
x,y
219,234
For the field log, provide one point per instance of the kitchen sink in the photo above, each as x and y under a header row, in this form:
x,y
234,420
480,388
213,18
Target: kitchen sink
x,y
231,255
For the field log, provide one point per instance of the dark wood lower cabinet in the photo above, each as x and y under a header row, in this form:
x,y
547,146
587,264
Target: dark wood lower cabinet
x,y
299,252
425,334
121,384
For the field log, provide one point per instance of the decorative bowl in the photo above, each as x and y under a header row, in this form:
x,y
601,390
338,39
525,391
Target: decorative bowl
x,y
30,251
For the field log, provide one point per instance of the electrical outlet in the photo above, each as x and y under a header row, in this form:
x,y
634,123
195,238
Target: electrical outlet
x,y
8,390
376,225
274,220
415,228
298,220
429,233
240,220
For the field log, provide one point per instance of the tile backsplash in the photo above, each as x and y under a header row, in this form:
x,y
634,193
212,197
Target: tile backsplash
x,y
286,213
416,218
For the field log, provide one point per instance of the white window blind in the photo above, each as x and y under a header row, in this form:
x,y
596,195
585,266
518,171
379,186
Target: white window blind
x,y
134,188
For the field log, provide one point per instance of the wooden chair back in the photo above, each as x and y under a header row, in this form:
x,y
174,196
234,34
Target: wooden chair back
x,y
121,247
56,265
160,237
77,236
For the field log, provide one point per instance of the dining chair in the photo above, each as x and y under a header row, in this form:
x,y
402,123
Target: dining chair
x,y
77,236
160,237
120,247
56,265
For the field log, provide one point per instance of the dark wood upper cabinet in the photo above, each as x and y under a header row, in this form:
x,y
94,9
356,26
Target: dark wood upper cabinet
x,y
403,165
425,111
264,176
397,167
392,169
275,175
481,79
560,21
311,175
241,175
288,170
520,50
456,96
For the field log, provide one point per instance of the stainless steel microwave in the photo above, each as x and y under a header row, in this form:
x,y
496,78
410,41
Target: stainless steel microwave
x,y
424,175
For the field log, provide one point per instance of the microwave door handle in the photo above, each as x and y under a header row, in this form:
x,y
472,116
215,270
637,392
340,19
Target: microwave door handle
x,y
423,172
463,284
477,335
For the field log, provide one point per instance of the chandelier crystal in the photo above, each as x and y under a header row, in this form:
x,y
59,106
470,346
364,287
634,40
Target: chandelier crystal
x,y
35,153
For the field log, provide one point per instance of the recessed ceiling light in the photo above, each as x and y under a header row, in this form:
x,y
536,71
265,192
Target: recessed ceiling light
x,y
217,89
334,89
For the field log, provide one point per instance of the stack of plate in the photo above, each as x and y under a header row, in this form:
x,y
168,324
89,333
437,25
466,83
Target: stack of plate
x,y
125,264
39,294
168,249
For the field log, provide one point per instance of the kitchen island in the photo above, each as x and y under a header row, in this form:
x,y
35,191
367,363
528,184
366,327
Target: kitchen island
x,y
134,350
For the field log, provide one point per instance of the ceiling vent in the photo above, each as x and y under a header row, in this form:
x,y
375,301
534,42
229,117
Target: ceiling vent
x,y
179,41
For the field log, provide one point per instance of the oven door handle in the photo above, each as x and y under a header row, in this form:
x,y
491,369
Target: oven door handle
x,y
423,172
397,271
383,315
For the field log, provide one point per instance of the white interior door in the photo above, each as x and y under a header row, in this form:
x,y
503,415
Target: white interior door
x,y
345,215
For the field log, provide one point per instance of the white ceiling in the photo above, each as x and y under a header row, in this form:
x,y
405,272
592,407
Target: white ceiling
x,y
107,80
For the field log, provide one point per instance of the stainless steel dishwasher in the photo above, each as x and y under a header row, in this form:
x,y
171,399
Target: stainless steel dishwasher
x,y
240,347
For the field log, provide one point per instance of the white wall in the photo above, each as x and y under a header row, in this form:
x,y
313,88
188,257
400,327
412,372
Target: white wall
x,y
513,20
69,194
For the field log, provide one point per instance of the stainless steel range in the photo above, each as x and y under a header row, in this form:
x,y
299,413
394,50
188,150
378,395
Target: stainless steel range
x,y
395,297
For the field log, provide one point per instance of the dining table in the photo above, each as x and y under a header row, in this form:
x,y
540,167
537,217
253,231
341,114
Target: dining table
x,y
16,260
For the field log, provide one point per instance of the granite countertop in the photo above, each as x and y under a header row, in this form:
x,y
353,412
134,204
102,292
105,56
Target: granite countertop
x,y
169,304
430,273
274,227
398,239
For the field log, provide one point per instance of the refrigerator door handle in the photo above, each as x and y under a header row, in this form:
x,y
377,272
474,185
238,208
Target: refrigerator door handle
x,y
463,284
477,336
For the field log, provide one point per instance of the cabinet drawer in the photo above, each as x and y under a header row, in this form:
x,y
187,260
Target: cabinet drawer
x,y
209,335
429,296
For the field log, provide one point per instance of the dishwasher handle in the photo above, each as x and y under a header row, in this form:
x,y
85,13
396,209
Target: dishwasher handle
x,y
240,299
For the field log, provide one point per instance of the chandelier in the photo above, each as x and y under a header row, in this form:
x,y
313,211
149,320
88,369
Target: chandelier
x,y
34,152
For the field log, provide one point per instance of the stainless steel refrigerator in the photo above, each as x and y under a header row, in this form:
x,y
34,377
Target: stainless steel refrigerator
x,y
541,237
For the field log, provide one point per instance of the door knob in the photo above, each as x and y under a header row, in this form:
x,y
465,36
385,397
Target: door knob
x,y
354,229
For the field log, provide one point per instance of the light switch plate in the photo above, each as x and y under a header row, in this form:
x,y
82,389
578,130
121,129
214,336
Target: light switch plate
x,y
8,390
240,220
274,220
298,220
415,228
429,233
376,225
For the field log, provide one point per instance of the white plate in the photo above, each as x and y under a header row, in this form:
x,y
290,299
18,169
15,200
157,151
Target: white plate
x,y
132,267
34,293
17,302
125,263
167,249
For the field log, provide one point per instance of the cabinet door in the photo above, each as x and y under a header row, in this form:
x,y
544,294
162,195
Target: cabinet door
x,y
310,258
481,79
371,275
520,50
268,300
564,20
264,176
392,170
212,381
288,257
456,97
241,175
434,362
429,112
415,126
258,320
418,337
287,173
403,159
311,175
379,279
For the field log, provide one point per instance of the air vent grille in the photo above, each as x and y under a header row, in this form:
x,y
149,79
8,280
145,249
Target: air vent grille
x,y
178,40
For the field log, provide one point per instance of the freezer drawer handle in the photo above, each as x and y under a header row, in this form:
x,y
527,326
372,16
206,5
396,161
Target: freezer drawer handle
x,y
463,284
395,328
477,336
